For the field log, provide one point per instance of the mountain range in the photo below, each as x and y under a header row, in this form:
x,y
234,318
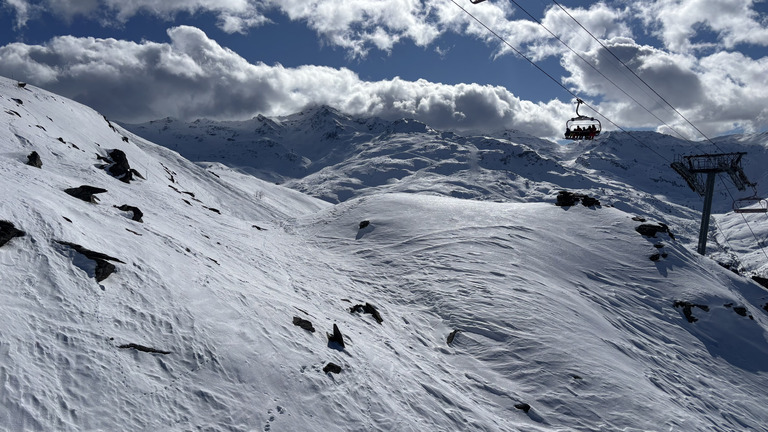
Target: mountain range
x,y
320,272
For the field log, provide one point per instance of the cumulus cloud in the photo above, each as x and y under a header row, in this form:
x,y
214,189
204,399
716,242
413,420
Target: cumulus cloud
x,y
678,22
193,76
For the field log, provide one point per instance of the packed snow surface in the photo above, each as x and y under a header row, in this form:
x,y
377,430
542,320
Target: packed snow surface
x,y
559,319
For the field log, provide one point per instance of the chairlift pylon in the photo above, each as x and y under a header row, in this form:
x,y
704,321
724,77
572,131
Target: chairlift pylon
x,y
582,127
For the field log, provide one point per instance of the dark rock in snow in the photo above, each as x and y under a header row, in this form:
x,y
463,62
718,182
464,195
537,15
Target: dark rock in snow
x,y
104,268
650,230
523,406
364,224
120,168
85,193
369,309
143,348
656,257
34,160
452,335
688,309
761,280
18,101
305,324
638,219
332,367
567,199
336,340
137,214
8,231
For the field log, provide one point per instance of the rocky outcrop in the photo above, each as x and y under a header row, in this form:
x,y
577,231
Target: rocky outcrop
x,y
332,368
567,199
650,230
119,167
104,268
688,309
369,309
305,324
9,231
86,193
143,348
336,340
137,214
33,159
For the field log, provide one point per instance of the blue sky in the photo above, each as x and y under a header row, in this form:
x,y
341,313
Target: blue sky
x,y
234,59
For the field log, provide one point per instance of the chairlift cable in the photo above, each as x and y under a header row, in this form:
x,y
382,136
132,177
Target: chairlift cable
x,y
505,42
588,63
636,75
668,104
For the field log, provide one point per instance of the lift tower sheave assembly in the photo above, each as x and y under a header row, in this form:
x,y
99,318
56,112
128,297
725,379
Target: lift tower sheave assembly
x,y
699,171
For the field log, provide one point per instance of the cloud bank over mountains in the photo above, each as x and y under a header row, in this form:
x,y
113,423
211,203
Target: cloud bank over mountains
x,y
713,84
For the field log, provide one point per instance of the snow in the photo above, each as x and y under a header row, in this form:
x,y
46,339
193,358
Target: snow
x,y
557,307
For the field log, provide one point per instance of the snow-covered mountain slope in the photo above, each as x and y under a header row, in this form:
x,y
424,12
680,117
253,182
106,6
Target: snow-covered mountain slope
x,y
564,322
335,157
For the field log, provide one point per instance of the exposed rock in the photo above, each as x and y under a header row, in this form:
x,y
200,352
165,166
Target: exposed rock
x,y
305,324
85,193
104,268
364,224
657,256
137,214
688,309
335,340
143,348
761,280
332,367
452,335
567,199
8,231
367,308
120,168
18,101
638,219
650,230
34,160
523,406
741,310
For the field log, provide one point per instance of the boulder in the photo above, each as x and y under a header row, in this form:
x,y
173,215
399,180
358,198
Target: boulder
x,y
34,160
335,340
452,336
688,309
85,193
305,324
137,214
369,309
650,230
104,268
332,367
8,231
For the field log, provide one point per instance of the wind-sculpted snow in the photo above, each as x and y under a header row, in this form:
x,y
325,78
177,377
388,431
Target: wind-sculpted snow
x,y
560,319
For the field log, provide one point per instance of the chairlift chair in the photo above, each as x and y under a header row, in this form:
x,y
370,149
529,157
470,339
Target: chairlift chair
x,y
582,127
752,204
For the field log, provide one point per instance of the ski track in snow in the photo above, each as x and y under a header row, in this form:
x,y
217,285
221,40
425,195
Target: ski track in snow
x,y
557,307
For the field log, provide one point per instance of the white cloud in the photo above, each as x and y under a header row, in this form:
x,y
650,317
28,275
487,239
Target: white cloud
x,y
193,76
734,21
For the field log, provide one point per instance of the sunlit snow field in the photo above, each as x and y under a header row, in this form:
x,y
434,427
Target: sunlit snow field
x,y
559,310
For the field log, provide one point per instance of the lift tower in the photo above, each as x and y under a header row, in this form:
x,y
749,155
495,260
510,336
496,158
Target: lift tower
x,y
699,171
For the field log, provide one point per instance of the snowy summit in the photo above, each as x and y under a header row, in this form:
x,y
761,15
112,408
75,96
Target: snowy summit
x,y
397,278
